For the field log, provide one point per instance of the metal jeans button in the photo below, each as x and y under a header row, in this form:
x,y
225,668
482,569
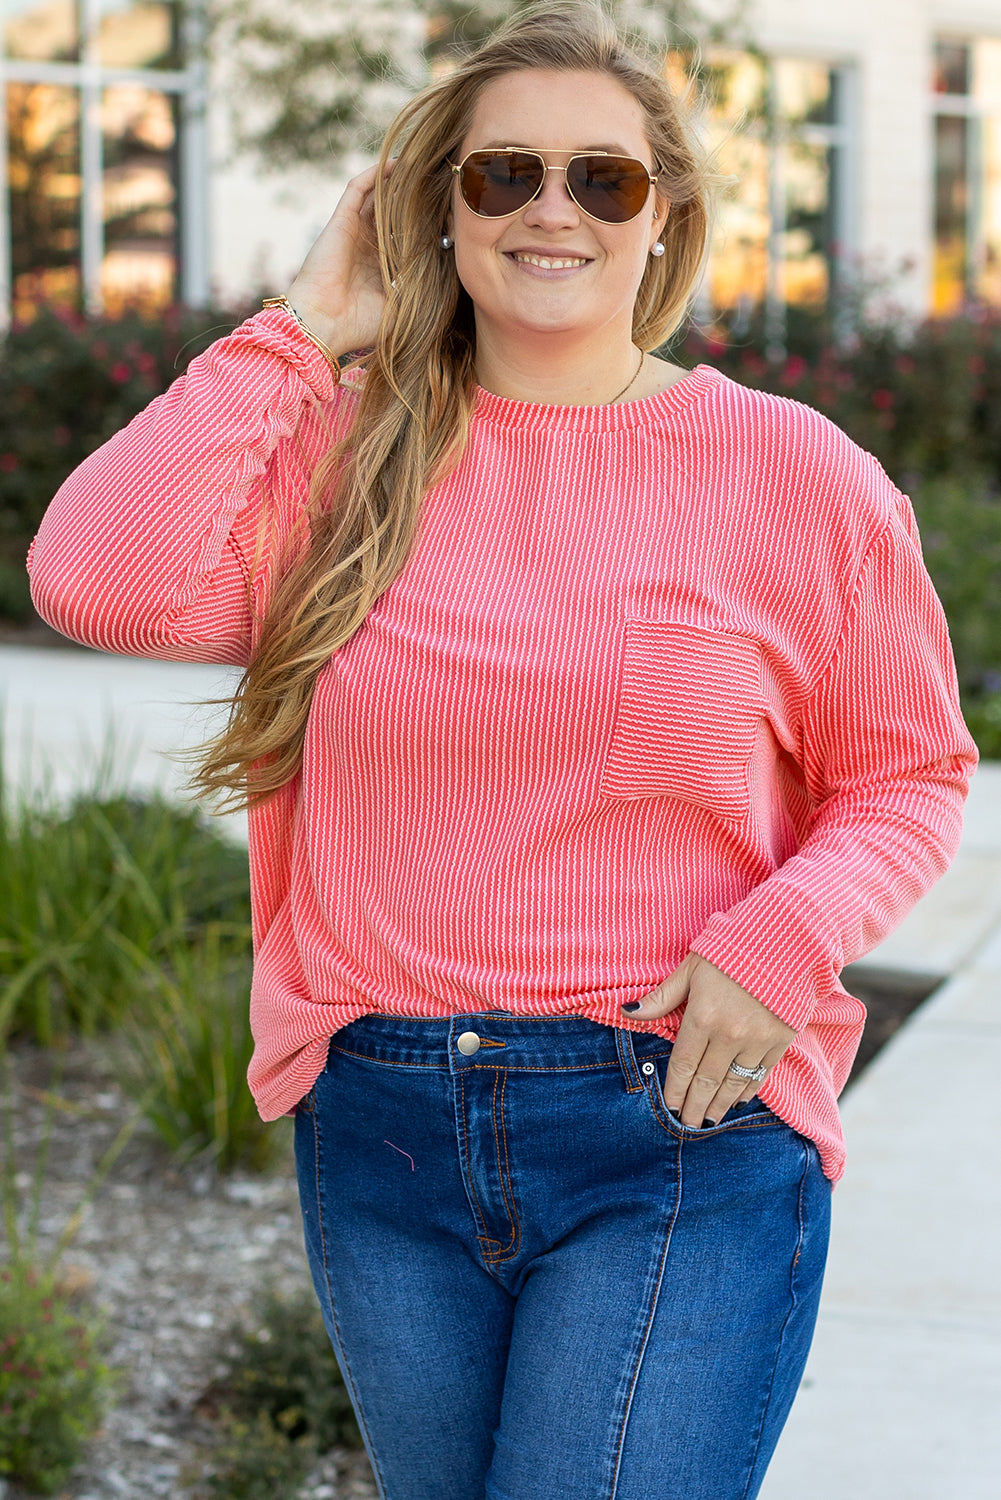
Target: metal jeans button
x,y
468,1043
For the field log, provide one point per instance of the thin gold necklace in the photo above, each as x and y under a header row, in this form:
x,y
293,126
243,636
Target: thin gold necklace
x,y
630,382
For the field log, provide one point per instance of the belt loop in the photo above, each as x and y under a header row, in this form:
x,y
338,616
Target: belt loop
x,y
627,1060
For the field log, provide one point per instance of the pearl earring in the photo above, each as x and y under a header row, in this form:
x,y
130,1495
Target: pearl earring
x,y
656,248
446,242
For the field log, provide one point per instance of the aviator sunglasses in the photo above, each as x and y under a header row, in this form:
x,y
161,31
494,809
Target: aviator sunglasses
x,y
502,181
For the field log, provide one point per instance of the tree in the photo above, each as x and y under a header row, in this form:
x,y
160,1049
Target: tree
x,y
319,79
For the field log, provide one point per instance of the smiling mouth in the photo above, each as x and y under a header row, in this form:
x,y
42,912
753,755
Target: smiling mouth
x,y
548,262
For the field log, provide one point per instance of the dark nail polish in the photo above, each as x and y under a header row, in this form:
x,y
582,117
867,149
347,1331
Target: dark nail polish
x,y
631,1005
708,1124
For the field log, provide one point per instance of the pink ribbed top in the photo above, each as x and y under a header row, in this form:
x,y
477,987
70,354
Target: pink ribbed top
x,y
659,676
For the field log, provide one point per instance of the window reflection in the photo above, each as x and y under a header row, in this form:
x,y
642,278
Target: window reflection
x,y
41,30
738,271
776,128
967,126
951,211
808,237
805,92
140,198
139,34
952,68
43,123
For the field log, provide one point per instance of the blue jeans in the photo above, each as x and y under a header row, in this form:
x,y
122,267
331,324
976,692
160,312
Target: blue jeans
x,y
538,1283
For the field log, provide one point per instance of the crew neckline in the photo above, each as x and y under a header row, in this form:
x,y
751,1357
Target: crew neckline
x,y
506,411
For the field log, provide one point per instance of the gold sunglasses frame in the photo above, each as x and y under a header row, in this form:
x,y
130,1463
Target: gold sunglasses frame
x,y
555,151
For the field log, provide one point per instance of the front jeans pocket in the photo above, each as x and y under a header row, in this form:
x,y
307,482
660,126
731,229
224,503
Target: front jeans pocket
x,y
690,701
755,1114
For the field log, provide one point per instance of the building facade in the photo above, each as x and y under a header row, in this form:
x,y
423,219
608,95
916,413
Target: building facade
x,y
864,141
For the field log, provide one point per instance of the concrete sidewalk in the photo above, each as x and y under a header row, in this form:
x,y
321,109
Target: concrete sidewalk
x,y
902,1395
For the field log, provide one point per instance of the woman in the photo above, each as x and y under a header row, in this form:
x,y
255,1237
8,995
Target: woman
x,y
597,712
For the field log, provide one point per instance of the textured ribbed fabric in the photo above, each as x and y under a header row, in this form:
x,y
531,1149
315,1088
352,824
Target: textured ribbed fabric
x,y
661,676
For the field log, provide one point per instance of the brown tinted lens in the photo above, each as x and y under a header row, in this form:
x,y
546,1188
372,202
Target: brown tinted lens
x,y
610,188
497,183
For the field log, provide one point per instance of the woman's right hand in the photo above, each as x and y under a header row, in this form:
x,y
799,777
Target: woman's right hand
x,y
338,291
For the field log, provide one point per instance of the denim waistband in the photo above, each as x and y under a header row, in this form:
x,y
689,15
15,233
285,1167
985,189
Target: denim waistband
x,y
499,1039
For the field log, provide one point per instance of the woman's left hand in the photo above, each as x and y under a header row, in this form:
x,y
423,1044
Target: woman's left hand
x,y
722,1023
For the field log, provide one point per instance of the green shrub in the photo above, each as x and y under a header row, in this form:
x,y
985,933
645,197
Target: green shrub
x,y
983,716
83,888
183,1048
255,1460
54,1384
68,383
15,597
133,913
960,521
279,1401
53,1381
924,400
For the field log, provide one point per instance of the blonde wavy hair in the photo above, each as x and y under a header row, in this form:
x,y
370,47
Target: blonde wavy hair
x,y
419,385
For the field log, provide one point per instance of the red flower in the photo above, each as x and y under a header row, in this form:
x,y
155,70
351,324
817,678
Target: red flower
x,y
977,365
883,400
8,463
120,372
795,369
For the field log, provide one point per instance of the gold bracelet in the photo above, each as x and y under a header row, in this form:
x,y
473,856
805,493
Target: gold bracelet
x,y
286,306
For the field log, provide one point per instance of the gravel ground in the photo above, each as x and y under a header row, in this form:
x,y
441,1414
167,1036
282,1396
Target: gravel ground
x,y
171,1259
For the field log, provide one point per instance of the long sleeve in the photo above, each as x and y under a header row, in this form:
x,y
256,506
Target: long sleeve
x,y
161,543
886,760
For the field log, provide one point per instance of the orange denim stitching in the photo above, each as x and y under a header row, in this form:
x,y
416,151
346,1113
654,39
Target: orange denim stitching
x,y
388,1062
349,1378
627,1060
557,1068
801,1227
504,1174
483,1238
670,1125
651,1314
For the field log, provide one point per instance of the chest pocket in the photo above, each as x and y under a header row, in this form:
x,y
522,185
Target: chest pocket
x,y
689,705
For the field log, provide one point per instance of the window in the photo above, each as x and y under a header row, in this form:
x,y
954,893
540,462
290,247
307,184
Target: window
x,y
103,167
966,116
781,128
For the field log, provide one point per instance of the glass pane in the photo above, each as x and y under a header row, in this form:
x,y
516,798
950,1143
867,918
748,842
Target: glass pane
x,y
738,271
989,251
804,92
140,34
808,235
43,122
140,198
41,30
952,208
952,68
737,84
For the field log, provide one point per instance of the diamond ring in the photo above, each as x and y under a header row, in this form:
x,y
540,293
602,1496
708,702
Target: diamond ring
x,y
755,1075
